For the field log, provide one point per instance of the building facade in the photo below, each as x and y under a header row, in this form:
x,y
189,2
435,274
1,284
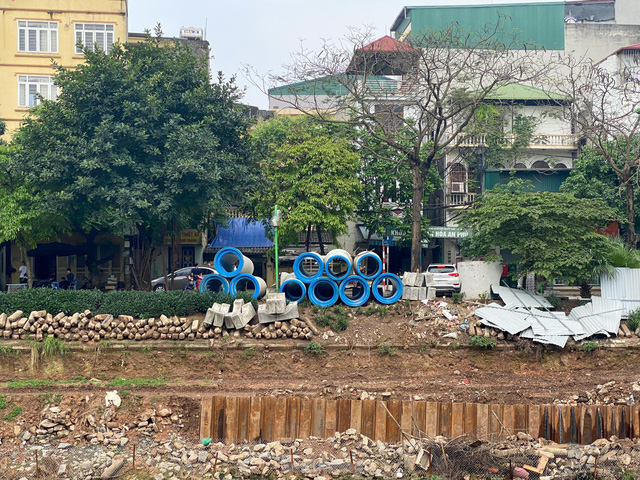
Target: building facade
x,y
36,33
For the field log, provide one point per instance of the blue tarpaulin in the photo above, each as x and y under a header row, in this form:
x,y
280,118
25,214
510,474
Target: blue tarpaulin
x,y
242,233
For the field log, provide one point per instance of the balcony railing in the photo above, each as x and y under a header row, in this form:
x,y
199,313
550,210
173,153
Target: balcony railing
x,y
460,199
539,140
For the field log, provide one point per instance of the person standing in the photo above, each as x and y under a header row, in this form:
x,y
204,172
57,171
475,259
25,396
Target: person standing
x,y
23,272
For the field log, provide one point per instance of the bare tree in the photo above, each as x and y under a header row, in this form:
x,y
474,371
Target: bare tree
x,y
416,96
606,101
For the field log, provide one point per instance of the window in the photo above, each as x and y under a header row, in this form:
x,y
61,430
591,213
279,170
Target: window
x,y
91,35
37,37
30,86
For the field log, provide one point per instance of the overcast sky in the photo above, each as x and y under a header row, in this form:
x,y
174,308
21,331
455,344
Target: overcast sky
x,y
264,33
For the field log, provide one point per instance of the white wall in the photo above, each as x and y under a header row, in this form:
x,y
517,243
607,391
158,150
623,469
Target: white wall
x,y
477,277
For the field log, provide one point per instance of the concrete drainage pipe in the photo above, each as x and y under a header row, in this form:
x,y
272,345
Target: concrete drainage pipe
x,y
338,264
294,290
245,282
323,292
214,283
387,288
354,291
230,262
368,265
308,266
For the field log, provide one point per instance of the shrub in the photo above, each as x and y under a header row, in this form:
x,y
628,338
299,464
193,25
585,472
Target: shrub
x,y
126,302
633,322
589,345
482,342
385,349
52,347
554,300
336,320
313,349
458,297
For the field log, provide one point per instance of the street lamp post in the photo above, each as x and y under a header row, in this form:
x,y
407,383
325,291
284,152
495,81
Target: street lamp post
x,y
275,222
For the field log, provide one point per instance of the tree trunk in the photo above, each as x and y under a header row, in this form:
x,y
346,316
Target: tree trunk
x,y
23,254
319,230
308,242
632,238
416,215
92,258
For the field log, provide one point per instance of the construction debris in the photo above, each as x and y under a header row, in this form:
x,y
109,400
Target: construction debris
x,y
600,317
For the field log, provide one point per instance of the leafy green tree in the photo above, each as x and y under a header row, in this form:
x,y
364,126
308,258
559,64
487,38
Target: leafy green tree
x,y
25,216
140,141
386,199
593,177
446,75
553,234
310,171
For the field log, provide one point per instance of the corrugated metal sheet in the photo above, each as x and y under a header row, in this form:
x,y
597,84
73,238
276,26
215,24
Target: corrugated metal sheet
x,y
600,317
541,24
521,298
624,286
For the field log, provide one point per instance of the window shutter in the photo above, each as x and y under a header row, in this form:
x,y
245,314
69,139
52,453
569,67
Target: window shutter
x,y
22,40
33,41
44,44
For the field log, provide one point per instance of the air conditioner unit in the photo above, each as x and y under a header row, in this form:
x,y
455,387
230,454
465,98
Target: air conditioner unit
x,y
457,187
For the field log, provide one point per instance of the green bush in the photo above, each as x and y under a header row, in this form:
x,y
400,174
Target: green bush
x,y
458,297
126,302
589,345
386,349
634,320
336,320
482,342
313,349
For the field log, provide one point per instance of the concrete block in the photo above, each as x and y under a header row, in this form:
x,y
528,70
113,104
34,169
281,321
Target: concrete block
x,y
409,279
419,281
422,293
220,310
208,318
237,305
276,303
248,312
428,279
290,312
431,293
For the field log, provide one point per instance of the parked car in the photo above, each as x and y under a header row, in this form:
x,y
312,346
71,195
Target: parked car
x,y
446,278
180,279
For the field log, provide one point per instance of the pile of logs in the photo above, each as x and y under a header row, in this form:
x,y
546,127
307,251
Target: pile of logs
x,y
85,327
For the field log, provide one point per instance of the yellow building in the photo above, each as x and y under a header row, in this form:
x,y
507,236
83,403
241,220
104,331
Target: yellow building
x,y
35,33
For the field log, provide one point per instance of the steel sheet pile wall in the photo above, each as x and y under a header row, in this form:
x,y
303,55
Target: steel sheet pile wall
x,y
242,419
339,276
235,274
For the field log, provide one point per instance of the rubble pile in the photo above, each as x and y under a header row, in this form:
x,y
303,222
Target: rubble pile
x,y
220,321
520,456
610,393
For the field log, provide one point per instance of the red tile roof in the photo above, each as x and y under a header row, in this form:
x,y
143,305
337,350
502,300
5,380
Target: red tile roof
x,y
386,44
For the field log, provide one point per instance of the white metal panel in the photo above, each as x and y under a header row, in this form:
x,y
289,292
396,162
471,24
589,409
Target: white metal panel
x,y
624,285
521,298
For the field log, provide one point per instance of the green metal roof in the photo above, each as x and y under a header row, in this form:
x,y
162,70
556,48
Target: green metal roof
x,y
538,24
334,85
542,181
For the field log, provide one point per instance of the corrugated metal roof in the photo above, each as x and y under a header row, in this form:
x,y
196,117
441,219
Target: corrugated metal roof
x,y
521,298
508,320
624,286
541,24
559,340
335,85
242,233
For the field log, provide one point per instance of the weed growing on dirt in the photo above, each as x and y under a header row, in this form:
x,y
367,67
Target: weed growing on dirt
x,y
249,352
625,474
589,345
482,342
336,320
3,402
313,349
484,297
146,349
457,297
137,382
16,411
30,383
50,347
633,322
6,351
49,399
385,349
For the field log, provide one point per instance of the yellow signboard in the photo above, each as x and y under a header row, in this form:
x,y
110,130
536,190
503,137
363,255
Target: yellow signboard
x,y
190,237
